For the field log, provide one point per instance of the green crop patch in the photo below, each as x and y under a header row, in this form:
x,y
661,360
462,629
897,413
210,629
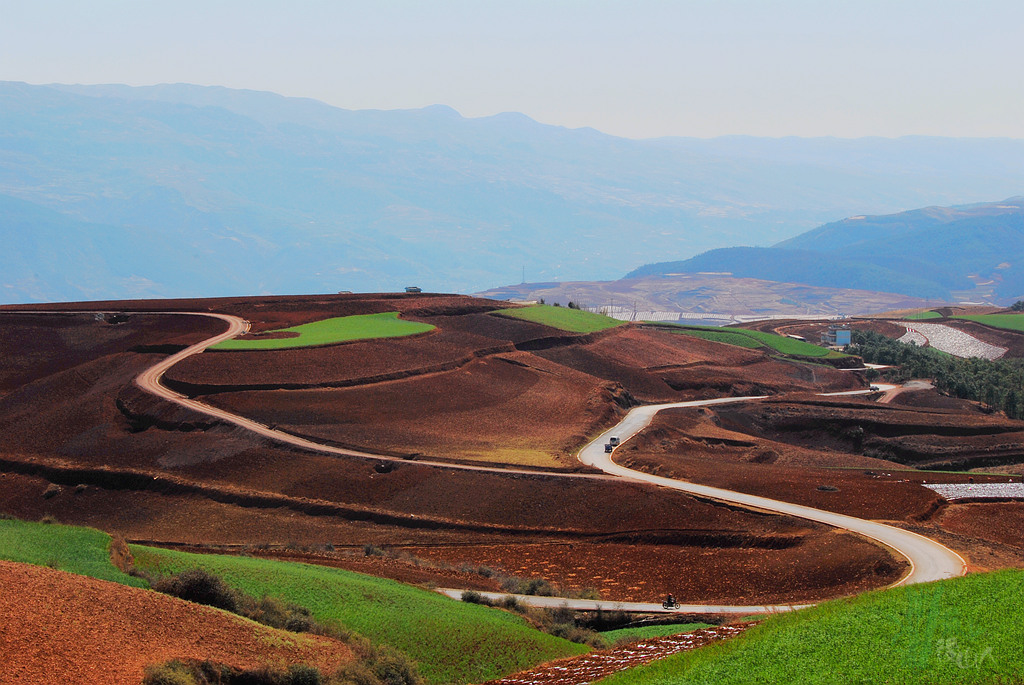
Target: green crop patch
x,y
563,318
727,337
963,630
452,642
1009,322
754,339
923,316
84,551
331,331
642,632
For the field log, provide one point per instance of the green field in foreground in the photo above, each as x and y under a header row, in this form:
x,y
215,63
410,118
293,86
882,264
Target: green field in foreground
x,y
754,339
641,632
563,318
964,630
923,316
1010,322
68,548
330,331
452,642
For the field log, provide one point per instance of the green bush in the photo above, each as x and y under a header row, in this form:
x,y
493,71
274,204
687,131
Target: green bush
x,y
199,586
171,673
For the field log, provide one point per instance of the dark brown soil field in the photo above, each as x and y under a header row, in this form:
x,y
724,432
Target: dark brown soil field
x,y
741,575
514,408
482,387
59,627
1001,522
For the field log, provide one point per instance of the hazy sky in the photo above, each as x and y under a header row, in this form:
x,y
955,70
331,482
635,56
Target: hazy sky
x,y
637,69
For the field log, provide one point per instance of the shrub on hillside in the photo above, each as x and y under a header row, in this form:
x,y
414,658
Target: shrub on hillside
x,y
200,586
378,666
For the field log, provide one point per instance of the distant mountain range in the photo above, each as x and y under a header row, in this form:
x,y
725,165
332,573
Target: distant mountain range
x,y
178,190
968,253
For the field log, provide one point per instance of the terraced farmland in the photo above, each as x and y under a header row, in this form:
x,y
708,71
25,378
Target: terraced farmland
x,y
755,339
331,331
563,318
1009,322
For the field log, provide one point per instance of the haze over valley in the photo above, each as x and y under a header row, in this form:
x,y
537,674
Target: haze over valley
x,y
114,192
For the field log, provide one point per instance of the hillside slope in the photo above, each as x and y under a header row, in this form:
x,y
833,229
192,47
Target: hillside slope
x,y
61,627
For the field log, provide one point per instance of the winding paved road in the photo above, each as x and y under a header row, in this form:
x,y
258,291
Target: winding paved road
x,y
929,560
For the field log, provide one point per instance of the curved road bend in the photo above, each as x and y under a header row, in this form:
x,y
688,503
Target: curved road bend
x,y
929,560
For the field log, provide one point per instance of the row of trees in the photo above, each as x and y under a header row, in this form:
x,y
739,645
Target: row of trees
x,y
999,383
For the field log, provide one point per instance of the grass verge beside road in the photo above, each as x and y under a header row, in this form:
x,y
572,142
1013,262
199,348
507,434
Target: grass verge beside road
x,y
452,642
963,630
331,331
563,318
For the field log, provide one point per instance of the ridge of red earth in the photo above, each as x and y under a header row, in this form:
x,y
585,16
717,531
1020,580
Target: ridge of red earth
x,y
66,628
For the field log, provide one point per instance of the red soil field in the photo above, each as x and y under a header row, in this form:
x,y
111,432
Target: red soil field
x,y
1000,522
62,628
814,568
154,472
513,408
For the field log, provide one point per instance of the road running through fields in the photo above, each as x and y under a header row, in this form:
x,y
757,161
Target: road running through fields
x,y
929,560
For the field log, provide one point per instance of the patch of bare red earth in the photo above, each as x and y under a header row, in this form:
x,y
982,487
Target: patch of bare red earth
x,y
999,522
597,665
58,627
513,407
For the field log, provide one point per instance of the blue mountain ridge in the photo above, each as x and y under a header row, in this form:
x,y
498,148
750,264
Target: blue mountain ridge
x,y
182,190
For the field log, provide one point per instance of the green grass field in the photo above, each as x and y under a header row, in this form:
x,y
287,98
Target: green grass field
x,y
453,642
964,630
563,318
330,331
754,339
723,336
1010,322
641,632
69,548
923,316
